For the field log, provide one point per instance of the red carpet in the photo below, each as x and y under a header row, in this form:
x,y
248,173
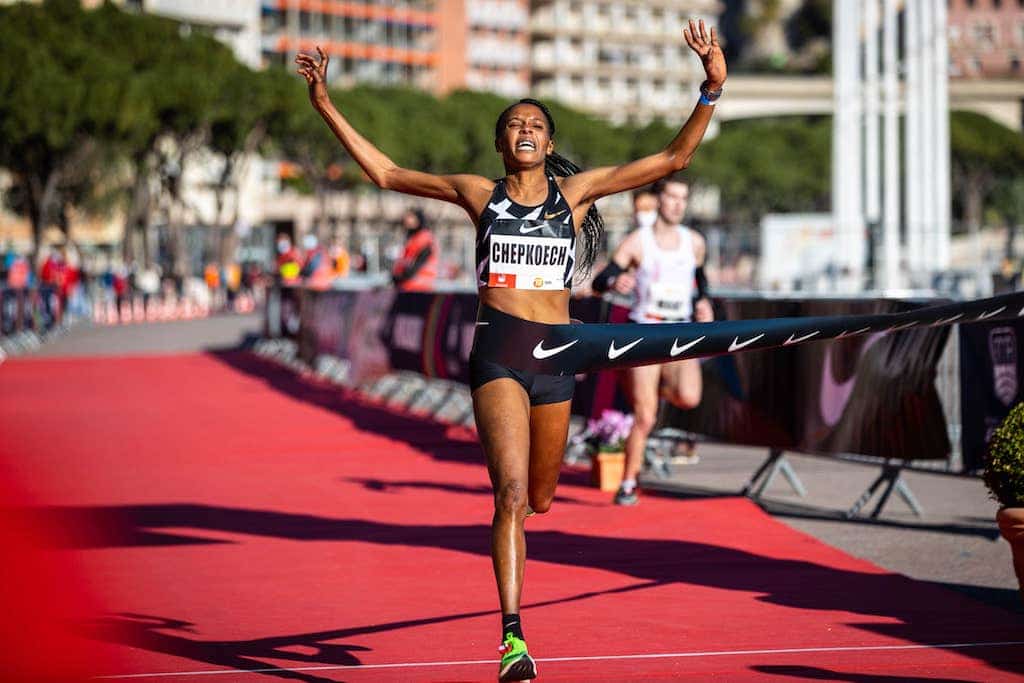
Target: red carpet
x,y
227,515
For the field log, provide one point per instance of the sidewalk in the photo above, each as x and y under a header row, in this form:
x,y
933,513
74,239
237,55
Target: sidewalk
x,y
955,542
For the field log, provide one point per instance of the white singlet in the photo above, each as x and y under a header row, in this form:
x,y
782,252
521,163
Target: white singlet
x,y
665,283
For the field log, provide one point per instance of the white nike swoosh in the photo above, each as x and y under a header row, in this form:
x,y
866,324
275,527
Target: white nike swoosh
x,y
676,350
737,344
479,324
797,340
985,316
1021,312
540,353
614,353
946,321
846,333
524,230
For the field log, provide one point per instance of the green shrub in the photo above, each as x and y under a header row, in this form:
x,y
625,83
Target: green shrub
x,y
1004,463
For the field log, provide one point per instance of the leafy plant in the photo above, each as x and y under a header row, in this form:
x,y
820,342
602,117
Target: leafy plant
x,y
1004,463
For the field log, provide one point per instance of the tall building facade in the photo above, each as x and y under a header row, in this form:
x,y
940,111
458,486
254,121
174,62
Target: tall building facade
x,y
986,38
625,60
393,43
484,45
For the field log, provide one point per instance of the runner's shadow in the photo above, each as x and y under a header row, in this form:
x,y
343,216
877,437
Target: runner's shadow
x,y
818,674
444,442
158,634
311,650
900,607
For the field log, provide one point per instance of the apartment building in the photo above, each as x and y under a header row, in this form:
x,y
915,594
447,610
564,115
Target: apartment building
x,y
390,43
986,38
625,60
484,45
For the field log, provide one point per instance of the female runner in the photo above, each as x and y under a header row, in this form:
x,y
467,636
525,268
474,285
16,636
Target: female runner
x,y
527,223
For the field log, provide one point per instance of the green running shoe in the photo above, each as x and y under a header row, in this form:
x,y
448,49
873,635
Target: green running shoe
x,y
516,662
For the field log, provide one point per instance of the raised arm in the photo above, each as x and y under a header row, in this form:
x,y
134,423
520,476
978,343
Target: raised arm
x,y
589,186
468,191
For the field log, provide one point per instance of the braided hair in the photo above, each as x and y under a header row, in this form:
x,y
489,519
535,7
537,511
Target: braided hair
x,y
557,165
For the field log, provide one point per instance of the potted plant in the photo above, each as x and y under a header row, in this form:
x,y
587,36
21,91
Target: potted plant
x,y
605,438
1004,477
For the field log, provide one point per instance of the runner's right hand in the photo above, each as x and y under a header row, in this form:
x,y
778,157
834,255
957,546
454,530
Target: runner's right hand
x,y
624,283
315,74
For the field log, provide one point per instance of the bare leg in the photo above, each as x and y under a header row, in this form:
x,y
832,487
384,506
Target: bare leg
x,y
683,383
549,428
502,411
643,386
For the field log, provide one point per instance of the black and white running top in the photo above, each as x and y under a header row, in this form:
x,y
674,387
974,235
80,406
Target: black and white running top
x,y
526,247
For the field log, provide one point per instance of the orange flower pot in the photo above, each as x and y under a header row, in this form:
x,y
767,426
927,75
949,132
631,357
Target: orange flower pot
x,y
1011,526
606,470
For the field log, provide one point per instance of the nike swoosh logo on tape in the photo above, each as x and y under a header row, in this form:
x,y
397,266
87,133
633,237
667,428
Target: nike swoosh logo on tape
x,y
549,216
797,340
525,230
540,353
737,344
985,316
847,333
614,353
946,321
676,350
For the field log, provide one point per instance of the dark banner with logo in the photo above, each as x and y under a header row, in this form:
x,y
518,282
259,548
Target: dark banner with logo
x,y
991,381
870,395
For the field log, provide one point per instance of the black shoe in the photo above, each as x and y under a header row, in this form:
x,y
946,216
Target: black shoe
x,y
630,497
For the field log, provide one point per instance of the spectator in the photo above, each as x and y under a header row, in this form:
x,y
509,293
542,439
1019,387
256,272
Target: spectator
x,y
416,270
289,261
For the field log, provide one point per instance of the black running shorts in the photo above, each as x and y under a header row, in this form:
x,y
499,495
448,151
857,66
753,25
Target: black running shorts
x,y
495,327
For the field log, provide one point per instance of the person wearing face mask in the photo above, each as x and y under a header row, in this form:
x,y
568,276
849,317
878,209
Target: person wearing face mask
x,y
662,264
417,269
288,260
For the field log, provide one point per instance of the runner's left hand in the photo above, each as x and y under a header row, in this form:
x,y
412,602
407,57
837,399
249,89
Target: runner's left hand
x,y
706,46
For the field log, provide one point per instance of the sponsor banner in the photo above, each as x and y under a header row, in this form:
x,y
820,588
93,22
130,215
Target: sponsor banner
x,y
345,324
432,334
991,378
871,395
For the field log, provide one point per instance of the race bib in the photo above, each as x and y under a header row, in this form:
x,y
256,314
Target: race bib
x,y
529,258
669,300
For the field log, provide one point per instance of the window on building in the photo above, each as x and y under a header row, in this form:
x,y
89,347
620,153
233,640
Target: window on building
x,y
984,34
1015,65
997,3
305,22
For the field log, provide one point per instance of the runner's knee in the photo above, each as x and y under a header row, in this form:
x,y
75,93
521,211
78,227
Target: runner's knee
x,y
685,397
540,504
644,418
510,499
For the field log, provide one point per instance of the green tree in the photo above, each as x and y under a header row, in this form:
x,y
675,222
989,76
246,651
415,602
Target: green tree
x,y
59,99
983,152
768,165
